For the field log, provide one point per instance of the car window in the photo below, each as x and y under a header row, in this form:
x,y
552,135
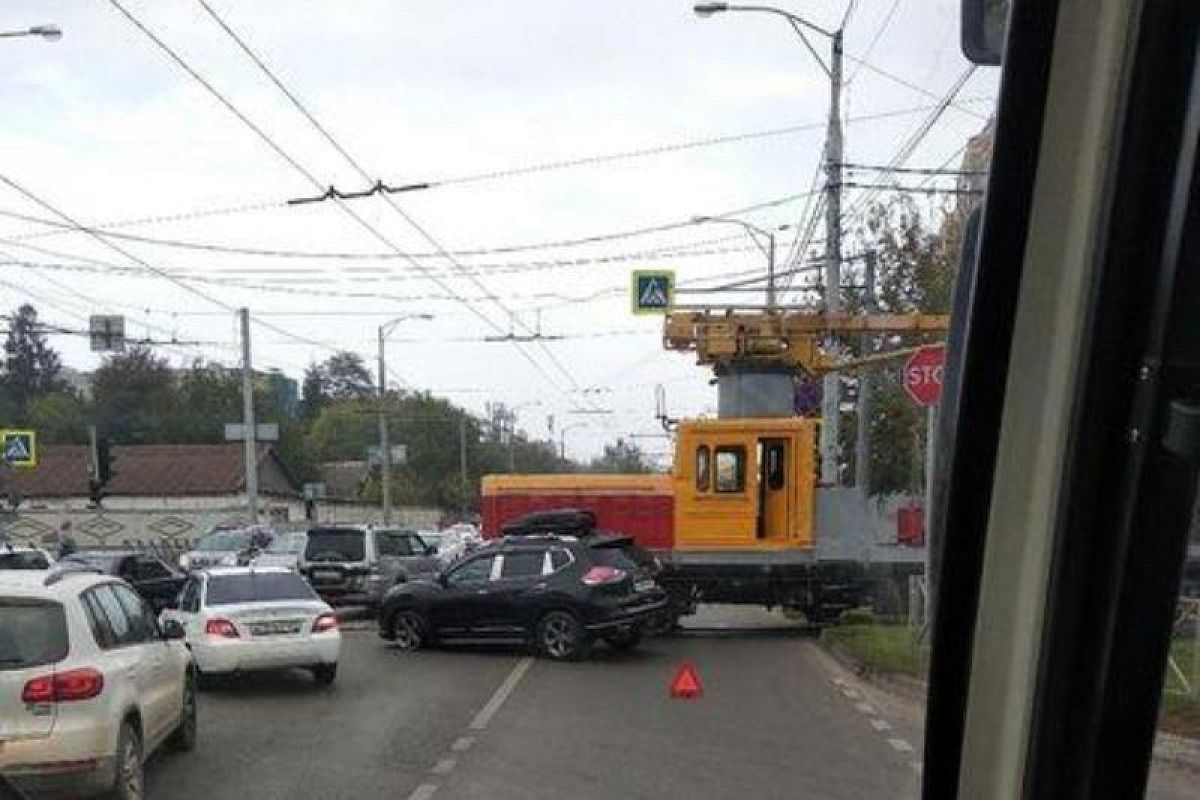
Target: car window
x,y
287,543
224,541
523,564
24,559
731,469
477,570
189,596
32,633
257,587
559,558
115,624
142,627
395,544
336,544
612,557
148,569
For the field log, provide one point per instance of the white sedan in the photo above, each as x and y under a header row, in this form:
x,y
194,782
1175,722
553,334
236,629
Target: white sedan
x,y
244,619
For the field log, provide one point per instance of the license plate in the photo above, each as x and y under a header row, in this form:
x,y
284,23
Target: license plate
x,y
326,575
643,585
273,628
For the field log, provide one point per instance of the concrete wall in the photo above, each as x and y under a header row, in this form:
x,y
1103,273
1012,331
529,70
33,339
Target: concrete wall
x,y
176,521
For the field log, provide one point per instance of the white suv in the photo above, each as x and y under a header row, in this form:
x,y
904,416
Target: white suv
x,y
89,683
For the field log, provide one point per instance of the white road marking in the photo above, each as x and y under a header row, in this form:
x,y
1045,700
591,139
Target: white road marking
x,y
488,711
444,767
462,744
900,745
424,791
865,708
881,725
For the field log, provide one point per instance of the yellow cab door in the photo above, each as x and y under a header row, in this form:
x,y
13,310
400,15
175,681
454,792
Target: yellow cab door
x,y
774,495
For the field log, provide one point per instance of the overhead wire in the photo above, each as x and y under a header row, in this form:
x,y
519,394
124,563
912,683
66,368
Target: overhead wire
x,y
866,54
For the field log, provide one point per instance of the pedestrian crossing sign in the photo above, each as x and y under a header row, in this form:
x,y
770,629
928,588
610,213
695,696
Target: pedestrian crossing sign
x,y
652,291
19,447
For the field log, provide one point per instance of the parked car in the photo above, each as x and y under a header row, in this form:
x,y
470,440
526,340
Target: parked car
x,y
15,556
559,593
154,579
283,551
245,619
355,565
226,547
90,684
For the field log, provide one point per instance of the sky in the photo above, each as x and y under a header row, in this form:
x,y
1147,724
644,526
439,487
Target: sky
x,y
105,127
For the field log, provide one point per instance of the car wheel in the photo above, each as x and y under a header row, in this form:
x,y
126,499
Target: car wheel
x,y
324,674
663,623
408,630
624,640
183,738
561,637
128,783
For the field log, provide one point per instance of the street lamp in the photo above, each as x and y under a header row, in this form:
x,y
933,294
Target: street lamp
x,y
51,33
768,249
831,389
562,438
385,450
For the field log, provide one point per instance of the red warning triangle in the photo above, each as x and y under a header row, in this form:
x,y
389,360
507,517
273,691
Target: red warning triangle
x,y
686,683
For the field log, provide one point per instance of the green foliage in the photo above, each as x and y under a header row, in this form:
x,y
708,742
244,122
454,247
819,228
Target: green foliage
x,y
621,458
58,417
31,366
133,396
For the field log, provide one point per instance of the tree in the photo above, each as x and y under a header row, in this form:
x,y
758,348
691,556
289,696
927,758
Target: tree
x,y
623,457
31,366
133,397
58,417
345,377
313,397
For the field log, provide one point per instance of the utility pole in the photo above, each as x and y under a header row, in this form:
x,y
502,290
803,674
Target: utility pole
x,y
462,460
248,424
831,390
771,270
862,442
385,452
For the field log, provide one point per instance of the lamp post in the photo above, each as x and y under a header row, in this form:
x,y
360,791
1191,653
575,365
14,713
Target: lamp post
x,y
768,249
385,450
831,390
51,33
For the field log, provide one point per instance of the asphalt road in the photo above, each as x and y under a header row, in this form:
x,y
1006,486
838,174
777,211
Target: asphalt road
x,y
777,718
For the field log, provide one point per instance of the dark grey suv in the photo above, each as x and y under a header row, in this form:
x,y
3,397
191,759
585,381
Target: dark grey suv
x,y
357,564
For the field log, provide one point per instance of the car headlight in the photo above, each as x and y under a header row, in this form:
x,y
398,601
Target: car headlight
x,y
185,561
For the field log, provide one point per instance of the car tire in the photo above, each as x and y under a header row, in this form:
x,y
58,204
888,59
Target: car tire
x,y
664,623
561,637
128,782
183,738
408,630
624,641
325,674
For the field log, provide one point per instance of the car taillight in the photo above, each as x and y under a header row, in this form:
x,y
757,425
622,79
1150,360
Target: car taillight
x,y
74,684
600,575
325,622
221,628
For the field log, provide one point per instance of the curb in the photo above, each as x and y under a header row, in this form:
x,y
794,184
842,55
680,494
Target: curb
x,y
1167,746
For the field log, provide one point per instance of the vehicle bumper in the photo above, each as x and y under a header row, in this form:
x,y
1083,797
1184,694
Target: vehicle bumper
x,y
628,616
217,657
63,778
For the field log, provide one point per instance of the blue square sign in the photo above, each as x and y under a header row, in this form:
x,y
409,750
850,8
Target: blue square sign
x,y
652,291
19,448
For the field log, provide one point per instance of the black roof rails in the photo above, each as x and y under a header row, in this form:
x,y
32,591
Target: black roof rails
x,y
65,569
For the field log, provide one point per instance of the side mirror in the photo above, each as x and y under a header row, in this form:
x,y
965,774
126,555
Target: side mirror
x,y
172,629
984,29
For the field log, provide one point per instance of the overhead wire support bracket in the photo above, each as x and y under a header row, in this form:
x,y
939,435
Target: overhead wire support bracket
x,y
379,187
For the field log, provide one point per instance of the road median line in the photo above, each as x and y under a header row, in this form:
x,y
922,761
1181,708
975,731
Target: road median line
x,y
481,720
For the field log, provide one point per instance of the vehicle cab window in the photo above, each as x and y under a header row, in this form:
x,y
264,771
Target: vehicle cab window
x,y
395,544
110,624
703,468
149,569
142,625
731,469
477,570
189,598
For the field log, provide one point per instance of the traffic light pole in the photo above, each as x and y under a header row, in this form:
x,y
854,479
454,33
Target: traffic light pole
x,y
385,451
248,425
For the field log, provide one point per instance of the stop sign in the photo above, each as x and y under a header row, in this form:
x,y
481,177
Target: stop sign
x,y
923,374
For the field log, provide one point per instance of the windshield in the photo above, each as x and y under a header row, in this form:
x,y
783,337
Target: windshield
x,y
289,543
103,561
32,633
257,587
335,545
224,541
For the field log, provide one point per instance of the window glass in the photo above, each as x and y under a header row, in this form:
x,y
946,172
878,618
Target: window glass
x,y
333,544
257,587
101,631
523,564
731,469
775,467
141,621
114,614
32,633
24,559
189,595
149,569
559,558
395,544
478,570
703,468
